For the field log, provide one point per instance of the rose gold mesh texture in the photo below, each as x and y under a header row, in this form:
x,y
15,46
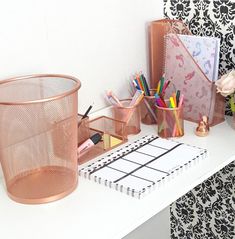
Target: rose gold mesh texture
x,y
157,30
38,140
128,114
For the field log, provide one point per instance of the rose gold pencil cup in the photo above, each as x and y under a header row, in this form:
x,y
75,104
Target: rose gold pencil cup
x,y
148,109
170,122
38,140
128,114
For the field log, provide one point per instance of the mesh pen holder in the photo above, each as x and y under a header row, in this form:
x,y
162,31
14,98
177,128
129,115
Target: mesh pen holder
x,y
148,109
128,114
38,140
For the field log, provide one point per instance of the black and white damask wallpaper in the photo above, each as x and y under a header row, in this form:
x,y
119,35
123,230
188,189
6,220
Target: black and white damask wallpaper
x,y
207,211
208,18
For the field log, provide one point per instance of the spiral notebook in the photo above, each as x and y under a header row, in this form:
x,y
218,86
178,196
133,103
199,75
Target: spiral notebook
x,y
142,166
205,51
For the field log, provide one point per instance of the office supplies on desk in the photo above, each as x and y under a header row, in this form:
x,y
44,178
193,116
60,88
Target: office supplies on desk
x,y
170,115
89,143
160,101
112,131
128,114
169,55
87,112
138,96
205,51
170,121
143,165
166,84
146,87
147,106
112,98
38,136
140,83
187,76
157,31
203,127
148,109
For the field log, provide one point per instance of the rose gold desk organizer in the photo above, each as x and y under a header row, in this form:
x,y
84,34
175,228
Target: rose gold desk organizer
x,y
128,114
170,122
170,56
157,31
106,126
38,144
148,109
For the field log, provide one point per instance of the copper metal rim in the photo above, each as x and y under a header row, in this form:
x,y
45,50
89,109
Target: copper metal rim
x,y
42,185
76,87
126,107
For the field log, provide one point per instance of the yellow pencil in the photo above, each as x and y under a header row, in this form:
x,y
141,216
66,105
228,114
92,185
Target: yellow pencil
x,y
174,98
172,102
158,87
175,114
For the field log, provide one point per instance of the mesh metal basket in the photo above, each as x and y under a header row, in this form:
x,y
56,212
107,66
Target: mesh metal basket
x,y
38,136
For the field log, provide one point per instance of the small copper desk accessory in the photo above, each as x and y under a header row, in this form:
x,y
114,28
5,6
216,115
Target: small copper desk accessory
x,y
203,127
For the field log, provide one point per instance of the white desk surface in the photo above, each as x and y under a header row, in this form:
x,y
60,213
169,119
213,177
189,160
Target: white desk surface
x,y
95,211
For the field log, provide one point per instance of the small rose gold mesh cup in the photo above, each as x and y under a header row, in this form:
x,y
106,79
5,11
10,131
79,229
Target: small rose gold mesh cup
x,y
130,115
170,121
38,136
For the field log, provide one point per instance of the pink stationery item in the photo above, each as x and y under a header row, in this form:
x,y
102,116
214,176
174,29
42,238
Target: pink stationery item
x,y
89,143
199,92
169,55
205,51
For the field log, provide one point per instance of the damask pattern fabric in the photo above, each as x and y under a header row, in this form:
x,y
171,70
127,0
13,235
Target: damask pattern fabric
x,y
207,211
209,18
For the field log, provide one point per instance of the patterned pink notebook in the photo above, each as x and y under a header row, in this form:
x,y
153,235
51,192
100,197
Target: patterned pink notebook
x,y
205,51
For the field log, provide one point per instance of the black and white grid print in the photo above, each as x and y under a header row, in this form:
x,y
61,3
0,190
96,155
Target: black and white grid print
x,y
140,167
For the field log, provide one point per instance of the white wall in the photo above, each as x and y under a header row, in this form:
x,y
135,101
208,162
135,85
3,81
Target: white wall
x,y
102,42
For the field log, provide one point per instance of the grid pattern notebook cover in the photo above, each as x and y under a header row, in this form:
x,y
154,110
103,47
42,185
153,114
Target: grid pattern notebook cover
x,y
143,165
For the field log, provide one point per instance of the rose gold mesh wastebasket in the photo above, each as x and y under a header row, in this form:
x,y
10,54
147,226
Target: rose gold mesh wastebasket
x,y
38,136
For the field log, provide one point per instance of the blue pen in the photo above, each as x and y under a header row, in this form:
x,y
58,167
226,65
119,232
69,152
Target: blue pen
x,y
135,82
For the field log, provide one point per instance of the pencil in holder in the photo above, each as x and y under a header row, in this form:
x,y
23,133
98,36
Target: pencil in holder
x,y
148,109
130,115
170,122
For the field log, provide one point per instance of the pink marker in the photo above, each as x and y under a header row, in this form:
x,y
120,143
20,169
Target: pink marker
x,y
181,101
83,148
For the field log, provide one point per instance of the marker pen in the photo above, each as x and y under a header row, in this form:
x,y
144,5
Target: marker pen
x,y
94,139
